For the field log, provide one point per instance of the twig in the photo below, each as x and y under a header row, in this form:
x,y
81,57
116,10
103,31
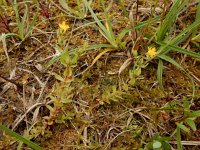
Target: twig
x,y
10,81
115,138
187,7
17,121
191,143
6,50
5,22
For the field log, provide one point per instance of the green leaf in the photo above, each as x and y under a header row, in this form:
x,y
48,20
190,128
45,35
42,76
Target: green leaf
x,y
183,127
50,108
65,58
132,81
166,146
137,71
74,51
190,122
157,144
20,138
52,61
58,77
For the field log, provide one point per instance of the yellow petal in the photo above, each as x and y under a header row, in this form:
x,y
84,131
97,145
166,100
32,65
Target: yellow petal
x,y
151,52
63,26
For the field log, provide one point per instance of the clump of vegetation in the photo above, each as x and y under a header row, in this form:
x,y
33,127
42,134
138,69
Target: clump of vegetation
x,y
99,74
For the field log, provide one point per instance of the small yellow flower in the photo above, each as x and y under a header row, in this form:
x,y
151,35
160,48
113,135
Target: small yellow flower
x,y
151,52
63,26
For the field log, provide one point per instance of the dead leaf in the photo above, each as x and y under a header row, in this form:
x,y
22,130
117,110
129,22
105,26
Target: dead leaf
x,y
125,65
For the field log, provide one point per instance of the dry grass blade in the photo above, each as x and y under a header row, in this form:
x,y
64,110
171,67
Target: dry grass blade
x,y
97,58
5,50
191,143
18,120
107,147
125,65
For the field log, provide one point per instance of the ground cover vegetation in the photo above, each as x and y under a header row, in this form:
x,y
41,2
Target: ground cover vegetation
x,y
100,74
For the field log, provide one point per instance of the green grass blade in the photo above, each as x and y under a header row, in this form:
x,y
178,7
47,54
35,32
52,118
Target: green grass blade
x,y
97,46
101,26
179,38
196,19
4,36
23,22
178,138
109,29
105,32
196,38
172,61
122,34
180,50
30,27
111,41
19,137
164,49
137,26
144,23
121,2
185,31
64,4
15,7
91,47
81,11
17,17
170,18
185,51
160,73
125,31
71,52
85,25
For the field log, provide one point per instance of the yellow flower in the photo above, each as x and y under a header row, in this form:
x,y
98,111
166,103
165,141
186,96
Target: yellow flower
x,y
63,26
151,52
